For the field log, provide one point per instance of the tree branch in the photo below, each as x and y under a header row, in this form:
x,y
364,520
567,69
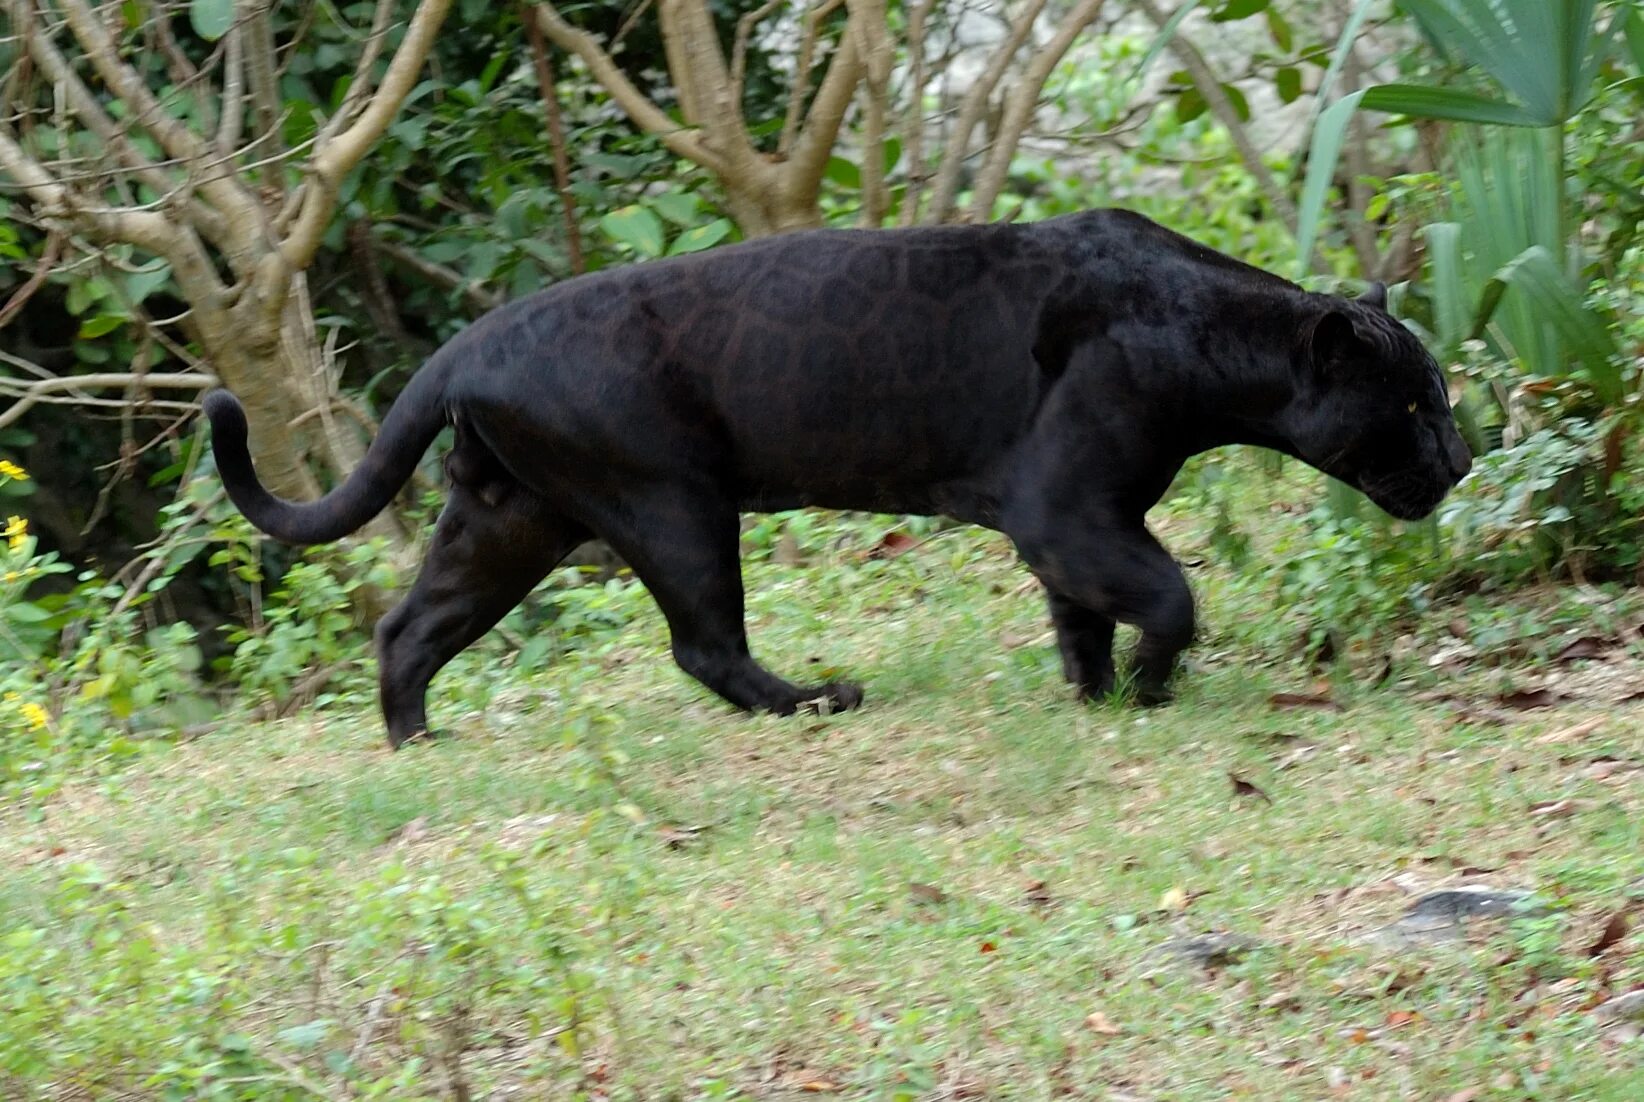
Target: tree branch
x,y
39,390
335,159
1210,89
913,127
641,112
222,191
801,85
1020,105
231,120
478,298
556,137
946,187
827,113
868,20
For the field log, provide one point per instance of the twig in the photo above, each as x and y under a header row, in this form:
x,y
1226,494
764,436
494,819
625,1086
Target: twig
x,y
556,138
48,260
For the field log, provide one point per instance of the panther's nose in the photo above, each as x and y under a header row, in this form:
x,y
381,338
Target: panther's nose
x,y
1459,455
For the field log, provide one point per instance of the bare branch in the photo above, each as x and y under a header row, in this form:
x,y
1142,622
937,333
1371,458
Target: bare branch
x,y
360,86
20,297
1210,89
231,123
478,298
703,81
913,127
1020,104
265,81
41,389
337,157
822,122
222,191
641,111
739,49
556,137
868,22
802,72
971,108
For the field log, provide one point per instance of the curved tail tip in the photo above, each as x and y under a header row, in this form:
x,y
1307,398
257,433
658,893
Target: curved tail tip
x,y
223,410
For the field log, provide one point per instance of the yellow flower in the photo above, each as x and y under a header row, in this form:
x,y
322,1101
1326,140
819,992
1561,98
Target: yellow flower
x,y
12,576
36,715
13,471
17,530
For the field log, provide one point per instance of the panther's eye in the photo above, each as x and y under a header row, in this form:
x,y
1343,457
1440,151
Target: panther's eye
x,y
1411,408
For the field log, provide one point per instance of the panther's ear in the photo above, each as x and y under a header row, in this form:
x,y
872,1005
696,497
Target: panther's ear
x,y
1330,340
1375,295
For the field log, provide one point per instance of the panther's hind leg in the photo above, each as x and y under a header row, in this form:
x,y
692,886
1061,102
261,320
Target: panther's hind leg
x,y
494,542
682,543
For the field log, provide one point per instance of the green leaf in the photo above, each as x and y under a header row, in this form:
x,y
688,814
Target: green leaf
x,y
1635,37
1322,155
1189,105
1241,106
844,173
1344,46
1280,30
211,18
145,281
701,237
678,207
635,227
1166,33
1447,103
1536,274
99,325
1448,293
1237,9
1287,82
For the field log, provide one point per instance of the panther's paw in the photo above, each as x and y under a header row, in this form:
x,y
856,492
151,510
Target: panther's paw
x,y
835,696
1153,696
414,738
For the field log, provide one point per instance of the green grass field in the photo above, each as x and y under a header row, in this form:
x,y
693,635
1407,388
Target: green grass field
x,y
608,885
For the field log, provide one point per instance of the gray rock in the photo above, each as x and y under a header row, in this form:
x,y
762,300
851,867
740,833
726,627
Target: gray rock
x,y
1210,950
1622,1008
1443,916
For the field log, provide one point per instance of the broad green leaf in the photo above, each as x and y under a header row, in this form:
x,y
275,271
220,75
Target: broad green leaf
x,y
701,237
211,18
99,325
678,207
1449,295
1447,103
635,227
1189,105
1635,37
1328,135
1241,106
145,281
1237,9
1536,274
1344,46
844,173
1166,33
1280,30
1287,82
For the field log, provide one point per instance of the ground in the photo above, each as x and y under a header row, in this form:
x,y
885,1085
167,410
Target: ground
x,y
608,885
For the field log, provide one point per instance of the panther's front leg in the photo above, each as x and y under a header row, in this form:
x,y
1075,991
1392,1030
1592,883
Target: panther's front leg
x,y
1085,638
1115,570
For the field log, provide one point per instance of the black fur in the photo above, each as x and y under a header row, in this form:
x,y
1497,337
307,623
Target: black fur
x,y
1047,380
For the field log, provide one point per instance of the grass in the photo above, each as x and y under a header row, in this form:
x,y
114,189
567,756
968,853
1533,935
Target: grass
x,y
609,886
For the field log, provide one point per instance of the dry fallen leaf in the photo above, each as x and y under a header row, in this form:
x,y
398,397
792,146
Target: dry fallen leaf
x,y
1588,646
1469,1095
1097,1022
679,837
412,832
1570,734
893,544
1613,933
1243,788
1175,899
1526,700
927,894
1304,700
1553,809
819,1086
1038,895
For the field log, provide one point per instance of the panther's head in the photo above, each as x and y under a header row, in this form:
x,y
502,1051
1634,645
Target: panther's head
x,y
1371,408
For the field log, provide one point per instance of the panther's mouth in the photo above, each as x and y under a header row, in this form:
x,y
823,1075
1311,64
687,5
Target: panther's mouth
x,y
1407,495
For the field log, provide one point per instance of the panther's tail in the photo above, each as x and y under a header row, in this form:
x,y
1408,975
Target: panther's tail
x,y
411,425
